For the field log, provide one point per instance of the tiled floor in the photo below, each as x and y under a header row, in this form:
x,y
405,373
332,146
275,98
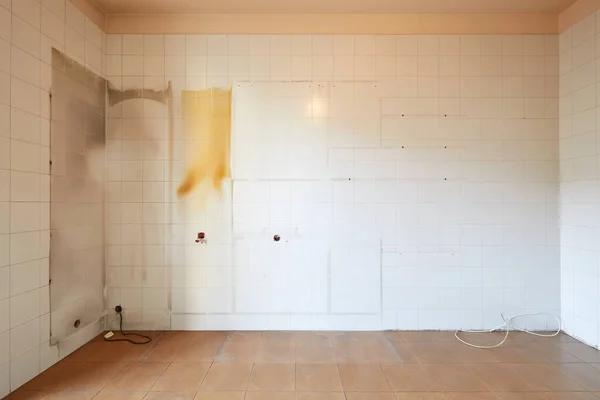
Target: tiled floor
x,y
323,366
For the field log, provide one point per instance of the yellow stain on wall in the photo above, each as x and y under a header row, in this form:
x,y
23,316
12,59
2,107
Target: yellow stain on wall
x,y
207,124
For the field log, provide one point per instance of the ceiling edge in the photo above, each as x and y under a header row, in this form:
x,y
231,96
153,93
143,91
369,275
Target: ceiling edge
x,y
381,24
91,10
576,13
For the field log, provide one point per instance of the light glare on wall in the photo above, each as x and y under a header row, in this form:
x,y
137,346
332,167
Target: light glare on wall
x,y
317,108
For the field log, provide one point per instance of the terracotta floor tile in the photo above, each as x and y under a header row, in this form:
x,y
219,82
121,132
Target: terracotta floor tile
x,y
318,378
113,352
245,336
154,335
170,396
409,378
363,378
21,394
61,373
279,336
92,375
241,352
315,352
532,352
454,377
227,376
394,336
276,352
427,336
304,366
270,396
571,396
120,395
276,376
560,338
208,336
404,352
484,339
320,396
449,352
546,396
581,351
470,396
359,336
501,377
366,351
313,337
370,396
166,348
184,377
137,376
545,378
583,374
523,395
420,396
199,351
204,336
220,395
71,395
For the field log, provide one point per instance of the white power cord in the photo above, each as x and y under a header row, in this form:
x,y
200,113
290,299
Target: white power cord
x,y
508,326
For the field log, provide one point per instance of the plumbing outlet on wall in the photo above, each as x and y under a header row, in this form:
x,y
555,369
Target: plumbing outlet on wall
x,y
201,238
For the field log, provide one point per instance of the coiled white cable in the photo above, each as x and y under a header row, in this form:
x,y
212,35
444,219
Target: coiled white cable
x,y
508,326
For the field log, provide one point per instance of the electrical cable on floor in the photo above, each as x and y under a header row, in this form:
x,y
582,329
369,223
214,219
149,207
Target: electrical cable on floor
x,y
147,340
508,326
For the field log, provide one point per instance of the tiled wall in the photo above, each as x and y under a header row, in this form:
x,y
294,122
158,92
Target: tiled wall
x,y
28,30
579,179
456,252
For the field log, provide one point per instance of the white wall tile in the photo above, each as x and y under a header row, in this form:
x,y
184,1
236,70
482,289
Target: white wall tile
x,y
74,18
5,56
24,338
93,34
25,36
24,307
174,44
24,367
24,217
25,126
154,65
4,88
25,97
4,121
53,27
24,277
133,65
25,186
194,44
75,44
24,156
58,7
322,45
154,44
29,11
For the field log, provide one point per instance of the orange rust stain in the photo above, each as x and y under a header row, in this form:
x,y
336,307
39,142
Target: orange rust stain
x,y
207,125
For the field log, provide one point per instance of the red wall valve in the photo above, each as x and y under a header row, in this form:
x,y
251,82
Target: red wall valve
x,y
201,236
276,238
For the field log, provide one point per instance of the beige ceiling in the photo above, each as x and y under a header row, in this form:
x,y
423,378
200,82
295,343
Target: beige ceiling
x,y
333,6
